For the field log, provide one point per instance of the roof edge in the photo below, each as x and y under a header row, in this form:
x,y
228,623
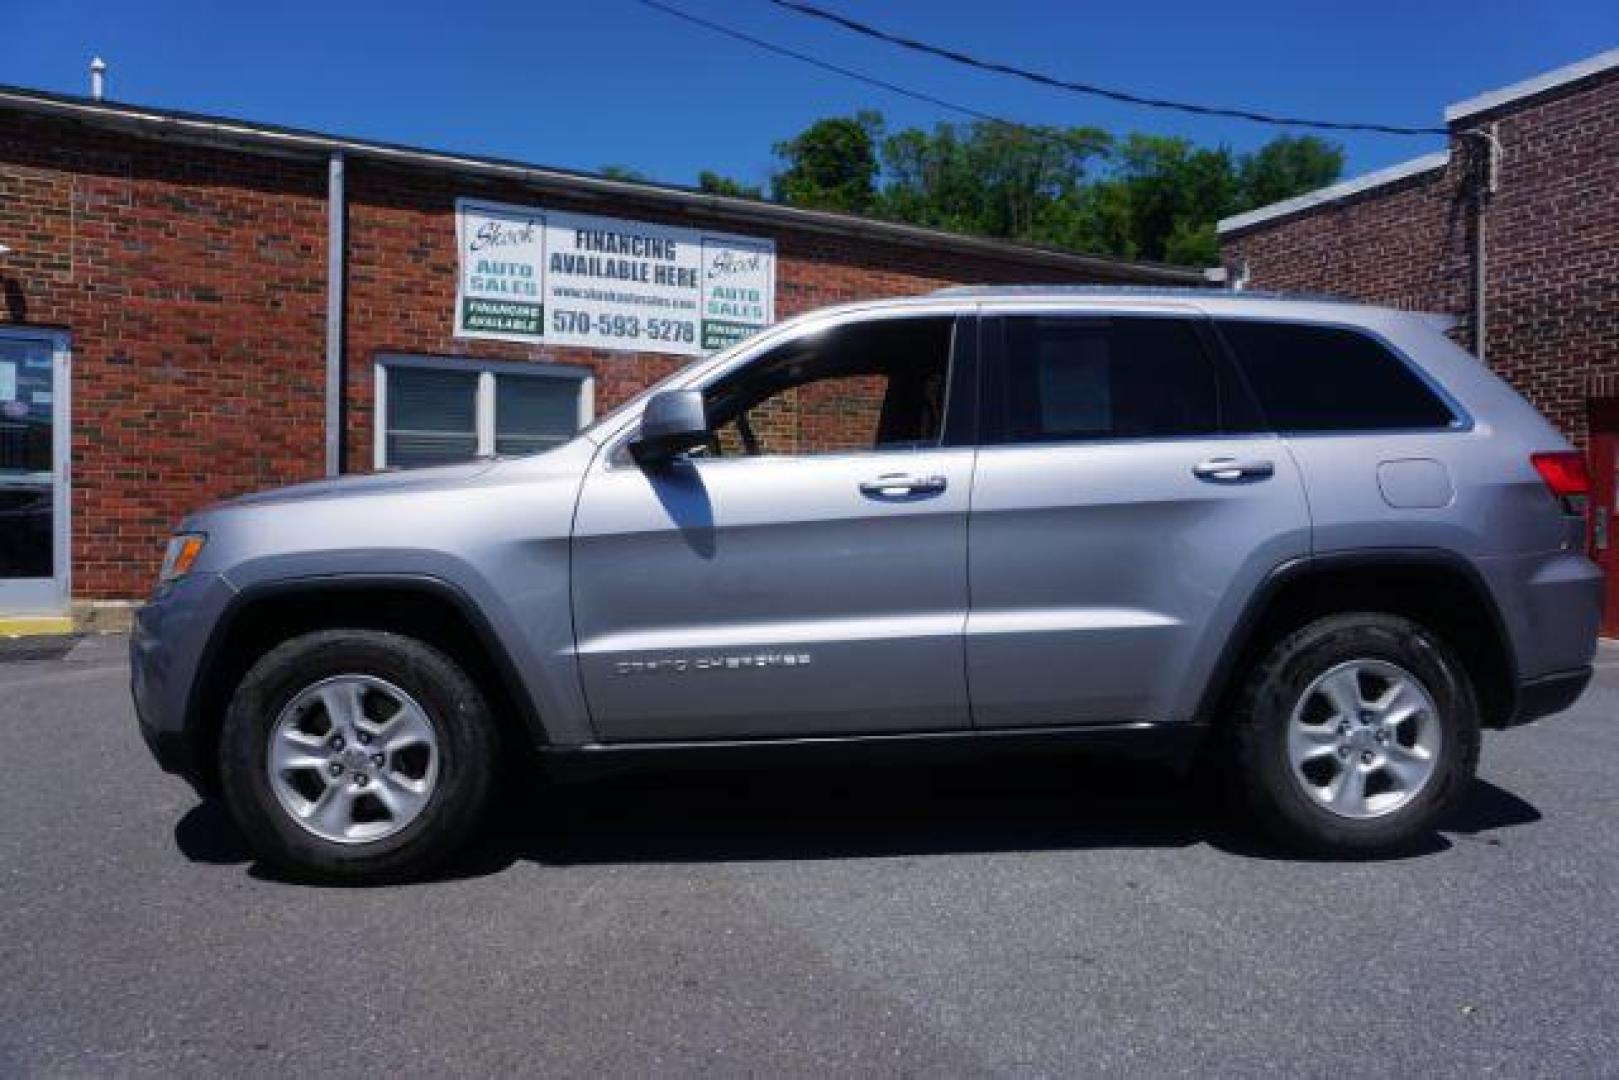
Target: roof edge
x,y
1335,192
249,135
1539,84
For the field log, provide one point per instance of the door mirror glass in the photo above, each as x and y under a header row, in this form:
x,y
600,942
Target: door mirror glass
x,y
672,422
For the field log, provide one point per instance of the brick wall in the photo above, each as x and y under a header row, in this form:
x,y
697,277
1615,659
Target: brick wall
x,y
1552,242
1553,247
192,282
1405,245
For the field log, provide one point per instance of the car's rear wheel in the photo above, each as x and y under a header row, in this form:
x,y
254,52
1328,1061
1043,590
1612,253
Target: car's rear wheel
x,y
1355,734
356,755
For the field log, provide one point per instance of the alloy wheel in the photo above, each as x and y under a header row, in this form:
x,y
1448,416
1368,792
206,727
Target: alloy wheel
x,y
1364,739
353,759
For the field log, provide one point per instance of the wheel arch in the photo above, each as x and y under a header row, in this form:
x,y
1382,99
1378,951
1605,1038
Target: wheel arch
x,y
427,608
1435,588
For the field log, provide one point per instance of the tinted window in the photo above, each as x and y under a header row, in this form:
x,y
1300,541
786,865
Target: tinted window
x,y
1321,378
1066,378
870,386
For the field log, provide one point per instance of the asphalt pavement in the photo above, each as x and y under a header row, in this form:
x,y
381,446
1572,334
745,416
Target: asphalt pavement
x,y
1052,917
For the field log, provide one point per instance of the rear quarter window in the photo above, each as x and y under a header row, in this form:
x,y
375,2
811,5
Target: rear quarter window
x,y
1326,378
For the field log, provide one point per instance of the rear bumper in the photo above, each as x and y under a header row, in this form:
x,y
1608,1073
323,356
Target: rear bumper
x,y
1549,694
1551,604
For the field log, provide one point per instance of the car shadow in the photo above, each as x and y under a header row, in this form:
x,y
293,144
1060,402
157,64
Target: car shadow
x,y
867,811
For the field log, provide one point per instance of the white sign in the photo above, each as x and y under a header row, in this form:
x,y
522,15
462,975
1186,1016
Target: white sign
x,y
547,276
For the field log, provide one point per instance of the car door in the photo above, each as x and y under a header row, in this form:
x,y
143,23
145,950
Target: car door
x,y
804,574
1126,503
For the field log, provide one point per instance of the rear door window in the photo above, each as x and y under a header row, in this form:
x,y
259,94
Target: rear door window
x,y
1076,378
1327,378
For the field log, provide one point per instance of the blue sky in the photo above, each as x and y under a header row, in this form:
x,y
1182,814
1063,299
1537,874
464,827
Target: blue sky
x,y
584,83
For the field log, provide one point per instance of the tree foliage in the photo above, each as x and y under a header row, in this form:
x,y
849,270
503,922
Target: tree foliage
x,y
621,172
830,165
1142,196
715,184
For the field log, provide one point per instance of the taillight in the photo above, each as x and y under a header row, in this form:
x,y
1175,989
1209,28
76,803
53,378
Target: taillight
x,y
1565,477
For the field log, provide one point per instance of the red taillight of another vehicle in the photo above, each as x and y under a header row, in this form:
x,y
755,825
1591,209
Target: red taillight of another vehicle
x,y
1566,477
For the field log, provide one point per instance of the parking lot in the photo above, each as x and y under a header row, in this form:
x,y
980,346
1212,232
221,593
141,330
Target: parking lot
x,y
1051,917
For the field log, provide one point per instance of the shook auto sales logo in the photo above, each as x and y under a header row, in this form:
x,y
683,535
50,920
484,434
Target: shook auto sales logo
x,y
497,234
729,263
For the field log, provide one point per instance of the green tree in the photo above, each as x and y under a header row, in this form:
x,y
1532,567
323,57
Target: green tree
x,y
1099,219
1174,188
1287,166
621,172
715,184
986,178
1144,197
830,165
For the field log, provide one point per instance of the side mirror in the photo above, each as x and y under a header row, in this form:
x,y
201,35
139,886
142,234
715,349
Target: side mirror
x,y
673,421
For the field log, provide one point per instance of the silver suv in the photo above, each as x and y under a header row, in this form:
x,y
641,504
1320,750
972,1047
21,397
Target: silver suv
x,y
1313,545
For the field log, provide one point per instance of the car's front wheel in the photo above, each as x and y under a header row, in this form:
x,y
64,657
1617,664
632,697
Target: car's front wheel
x,y
1355,734
356,755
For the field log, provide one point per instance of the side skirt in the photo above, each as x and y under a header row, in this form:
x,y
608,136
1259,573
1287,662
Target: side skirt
x,y
1173,743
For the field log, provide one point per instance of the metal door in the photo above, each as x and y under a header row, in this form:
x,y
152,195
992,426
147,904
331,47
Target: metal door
x,y
774,597
1107,573
34,561
814,587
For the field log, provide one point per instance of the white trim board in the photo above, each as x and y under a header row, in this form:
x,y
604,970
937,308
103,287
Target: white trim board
x,y
1550,80
1336,192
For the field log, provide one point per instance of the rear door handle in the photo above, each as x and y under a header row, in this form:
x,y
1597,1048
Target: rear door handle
x,y
1225,470
900,485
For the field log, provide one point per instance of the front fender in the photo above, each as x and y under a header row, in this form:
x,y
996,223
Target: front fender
x,y
524,625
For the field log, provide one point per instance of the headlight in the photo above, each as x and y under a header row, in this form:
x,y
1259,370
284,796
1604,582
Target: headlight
x,y
182,551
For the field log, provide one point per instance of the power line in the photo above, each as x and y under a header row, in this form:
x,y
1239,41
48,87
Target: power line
x,y
1087,88
827,65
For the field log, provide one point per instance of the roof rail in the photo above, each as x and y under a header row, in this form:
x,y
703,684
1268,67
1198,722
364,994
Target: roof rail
x,y
1171,291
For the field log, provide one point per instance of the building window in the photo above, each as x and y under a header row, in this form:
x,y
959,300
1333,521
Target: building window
x,y
435,411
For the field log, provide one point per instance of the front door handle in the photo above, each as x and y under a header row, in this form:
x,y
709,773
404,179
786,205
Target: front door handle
x,y
1226,470
901,485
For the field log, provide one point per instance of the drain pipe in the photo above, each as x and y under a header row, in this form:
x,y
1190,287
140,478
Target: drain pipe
x,y
336,217
1484,185
1480,276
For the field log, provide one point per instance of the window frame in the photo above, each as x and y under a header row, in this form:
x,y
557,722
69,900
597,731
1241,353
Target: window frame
x,y
51,595
961,385
1227,378
1461,419
484,402
957,421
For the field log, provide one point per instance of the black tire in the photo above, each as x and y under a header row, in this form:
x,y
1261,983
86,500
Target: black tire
x,y
462,727
1277,797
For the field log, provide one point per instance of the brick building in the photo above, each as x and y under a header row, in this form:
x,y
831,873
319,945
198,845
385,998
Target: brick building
x,y
172,330
1513,230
